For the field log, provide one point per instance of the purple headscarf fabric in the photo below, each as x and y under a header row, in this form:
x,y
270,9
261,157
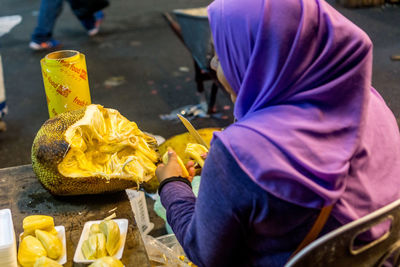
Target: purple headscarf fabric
x,y
306,112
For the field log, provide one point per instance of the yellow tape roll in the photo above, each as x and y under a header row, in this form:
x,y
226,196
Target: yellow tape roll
x,y
65,81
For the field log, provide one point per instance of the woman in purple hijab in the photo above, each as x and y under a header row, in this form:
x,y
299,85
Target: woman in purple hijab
x,y
310,132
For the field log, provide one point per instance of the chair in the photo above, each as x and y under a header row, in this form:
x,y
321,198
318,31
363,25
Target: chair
x,y
192,28
338,247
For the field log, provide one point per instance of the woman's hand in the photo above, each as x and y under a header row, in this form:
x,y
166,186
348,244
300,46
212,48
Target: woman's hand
x,y
172,168
194,168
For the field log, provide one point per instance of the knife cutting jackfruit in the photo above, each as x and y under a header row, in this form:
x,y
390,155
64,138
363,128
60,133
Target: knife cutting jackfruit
x,y
92,150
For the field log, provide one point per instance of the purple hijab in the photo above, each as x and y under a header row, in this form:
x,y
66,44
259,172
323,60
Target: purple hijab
x,y
307,116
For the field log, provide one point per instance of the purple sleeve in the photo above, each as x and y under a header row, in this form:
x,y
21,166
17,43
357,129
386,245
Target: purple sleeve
x,y
234,222
209,228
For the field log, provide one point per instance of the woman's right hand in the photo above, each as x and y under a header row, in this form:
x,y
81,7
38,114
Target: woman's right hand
x,y
193,167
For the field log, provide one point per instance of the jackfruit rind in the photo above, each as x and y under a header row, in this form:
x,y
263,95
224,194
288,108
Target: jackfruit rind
x,y
30,249
125,156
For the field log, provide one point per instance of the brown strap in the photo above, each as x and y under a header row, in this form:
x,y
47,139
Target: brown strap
x,y
316,228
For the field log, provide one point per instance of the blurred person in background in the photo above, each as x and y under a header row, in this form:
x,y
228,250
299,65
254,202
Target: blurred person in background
x,y
311,135
89,13
3,104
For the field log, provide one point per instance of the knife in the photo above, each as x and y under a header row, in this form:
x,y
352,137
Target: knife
x,y
193,131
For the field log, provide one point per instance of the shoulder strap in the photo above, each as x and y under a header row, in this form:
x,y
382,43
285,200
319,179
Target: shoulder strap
x,y
316,228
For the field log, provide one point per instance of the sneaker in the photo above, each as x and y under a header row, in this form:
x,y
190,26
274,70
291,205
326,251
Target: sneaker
x,y
51,44
99,16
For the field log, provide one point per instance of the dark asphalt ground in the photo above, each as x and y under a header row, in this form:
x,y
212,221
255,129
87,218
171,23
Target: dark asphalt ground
x,y
136,44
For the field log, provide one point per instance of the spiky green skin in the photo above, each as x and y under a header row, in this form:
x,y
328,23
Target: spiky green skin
x,y
48,150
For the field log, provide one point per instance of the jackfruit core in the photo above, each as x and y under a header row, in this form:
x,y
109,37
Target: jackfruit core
x,y
103,143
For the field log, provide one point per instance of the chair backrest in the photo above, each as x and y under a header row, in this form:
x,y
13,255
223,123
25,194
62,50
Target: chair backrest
x,y
196,34
338,247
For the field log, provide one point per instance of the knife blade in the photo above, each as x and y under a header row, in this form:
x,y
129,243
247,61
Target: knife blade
x,y
193,131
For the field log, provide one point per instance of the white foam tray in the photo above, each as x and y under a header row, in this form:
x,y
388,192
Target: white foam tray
x,y
123,228
7,236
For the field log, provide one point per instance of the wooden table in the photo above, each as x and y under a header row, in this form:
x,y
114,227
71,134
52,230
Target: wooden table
x,y
21,192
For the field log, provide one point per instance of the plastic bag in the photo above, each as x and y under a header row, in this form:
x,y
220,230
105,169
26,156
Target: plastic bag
x,y
161,255
160,210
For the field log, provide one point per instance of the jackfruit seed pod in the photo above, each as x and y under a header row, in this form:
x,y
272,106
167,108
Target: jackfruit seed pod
x,y
41,222
111,230
51,243
30,249
107,262
89,247
185,172
94,229
46,262
101,245
195,151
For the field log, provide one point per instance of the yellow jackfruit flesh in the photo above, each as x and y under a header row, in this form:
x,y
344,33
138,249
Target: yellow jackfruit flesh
x,y
101,245
46,262
41,222
51,243
92,150
95,246
89,247
107,262
111,230
195,151
30,249
185,172
94,229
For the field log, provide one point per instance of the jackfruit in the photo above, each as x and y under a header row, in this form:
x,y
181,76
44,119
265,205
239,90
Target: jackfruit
x,y
107,262
30,249
89,247
46,262
101,245
111,230
94,229
51,243
95,246
178,144
195,151
41,222
185,172
92,150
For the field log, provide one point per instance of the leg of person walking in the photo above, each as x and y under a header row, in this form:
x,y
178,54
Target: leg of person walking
x,y
3,104
89,13
42,35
